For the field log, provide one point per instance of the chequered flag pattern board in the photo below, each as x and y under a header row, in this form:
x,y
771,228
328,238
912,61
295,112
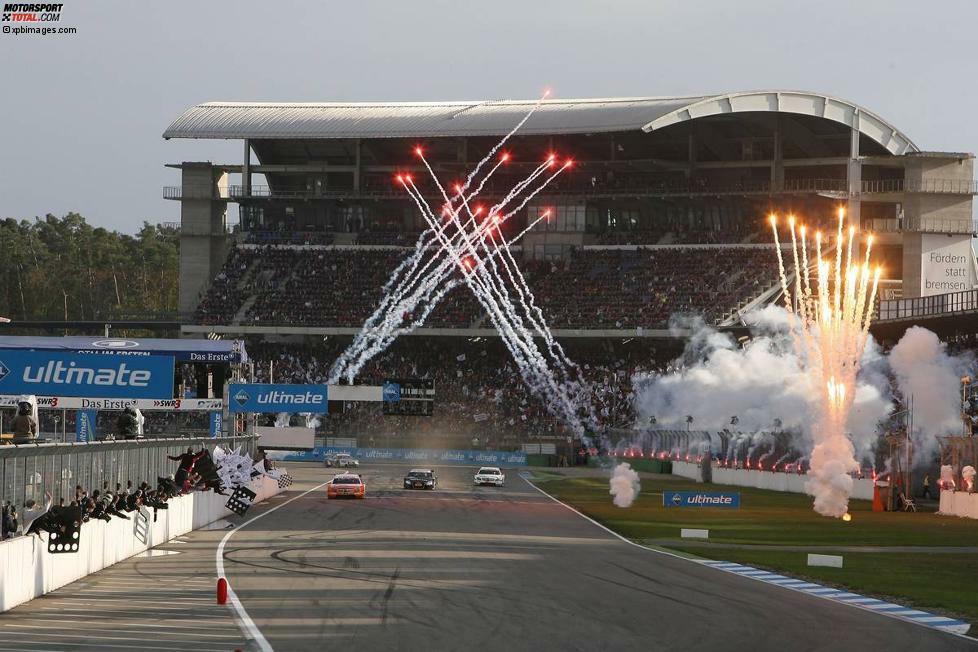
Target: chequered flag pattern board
x,y
240,500
68,540
284,480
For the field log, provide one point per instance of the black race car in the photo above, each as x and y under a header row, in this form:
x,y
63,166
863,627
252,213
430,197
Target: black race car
x,y
420,479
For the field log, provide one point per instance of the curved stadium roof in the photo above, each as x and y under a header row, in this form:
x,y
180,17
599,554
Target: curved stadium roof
x,y
273,120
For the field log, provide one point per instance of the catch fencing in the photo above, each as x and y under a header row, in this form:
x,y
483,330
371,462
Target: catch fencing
x,y
28,471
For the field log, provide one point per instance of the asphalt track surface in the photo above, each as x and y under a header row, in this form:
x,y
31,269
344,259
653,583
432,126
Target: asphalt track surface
x,y
457,568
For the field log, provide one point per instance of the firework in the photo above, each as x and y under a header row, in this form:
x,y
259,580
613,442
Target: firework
x,y
832,310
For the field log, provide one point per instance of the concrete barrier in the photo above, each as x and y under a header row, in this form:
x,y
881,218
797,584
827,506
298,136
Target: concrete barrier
x,y
28,571
788,482
958,503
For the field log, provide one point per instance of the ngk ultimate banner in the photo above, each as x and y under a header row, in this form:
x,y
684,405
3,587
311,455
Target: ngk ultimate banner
x,y
56,373
277,398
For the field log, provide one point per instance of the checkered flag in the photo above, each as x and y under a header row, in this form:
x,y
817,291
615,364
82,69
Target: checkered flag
x,y
240,500
66,534
284,481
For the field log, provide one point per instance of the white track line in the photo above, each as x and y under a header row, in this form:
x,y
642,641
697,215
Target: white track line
x,y
669,554
247,625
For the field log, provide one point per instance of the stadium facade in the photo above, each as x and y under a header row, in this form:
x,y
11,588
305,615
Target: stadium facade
x,y
647,169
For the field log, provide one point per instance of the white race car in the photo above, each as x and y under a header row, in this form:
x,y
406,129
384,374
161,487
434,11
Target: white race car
x,y
342,460
489,475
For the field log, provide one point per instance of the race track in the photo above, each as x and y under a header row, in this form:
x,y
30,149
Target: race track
x,y
463,568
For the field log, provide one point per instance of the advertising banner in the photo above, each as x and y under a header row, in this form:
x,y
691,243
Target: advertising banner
x,y
723,500
947,264
85,425
143,404
277,398
56,373
217,421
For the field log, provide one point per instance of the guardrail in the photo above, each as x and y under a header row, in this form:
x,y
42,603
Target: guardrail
x,y
935,186
29,470
920,225
933,306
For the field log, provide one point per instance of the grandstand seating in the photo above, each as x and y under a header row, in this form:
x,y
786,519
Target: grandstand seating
x,y
592,289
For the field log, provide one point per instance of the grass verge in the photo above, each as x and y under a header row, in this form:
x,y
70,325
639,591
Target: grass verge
x,y
936,580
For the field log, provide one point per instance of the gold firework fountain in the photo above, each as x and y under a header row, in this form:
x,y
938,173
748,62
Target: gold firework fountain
x,y
832,306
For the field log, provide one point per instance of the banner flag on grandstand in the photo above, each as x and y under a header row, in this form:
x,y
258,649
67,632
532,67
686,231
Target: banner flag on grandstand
x,y
292,399
217,422
85,425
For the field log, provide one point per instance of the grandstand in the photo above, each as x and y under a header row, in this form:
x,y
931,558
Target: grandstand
x,y
664,213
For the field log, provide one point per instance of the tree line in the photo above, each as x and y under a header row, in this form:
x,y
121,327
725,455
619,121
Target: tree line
x,y
64,268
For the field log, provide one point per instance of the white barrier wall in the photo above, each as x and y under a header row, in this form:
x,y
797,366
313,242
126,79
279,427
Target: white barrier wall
x,y
28,571
959,503
788,482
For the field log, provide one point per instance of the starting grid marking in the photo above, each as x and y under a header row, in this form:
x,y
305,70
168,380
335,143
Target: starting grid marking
x,y
838,595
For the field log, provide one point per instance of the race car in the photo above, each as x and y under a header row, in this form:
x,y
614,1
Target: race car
x,y
489,475
342,461
420,479
346,485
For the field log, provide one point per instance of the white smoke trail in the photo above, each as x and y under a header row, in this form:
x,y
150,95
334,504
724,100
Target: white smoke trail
x,y
625,485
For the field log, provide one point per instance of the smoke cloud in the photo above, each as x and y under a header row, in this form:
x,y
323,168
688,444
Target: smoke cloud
x,y
925,372
625,485
760,383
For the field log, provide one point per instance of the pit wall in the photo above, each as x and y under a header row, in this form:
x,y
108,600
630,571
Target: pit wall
x,y
788,482
28,570
959,503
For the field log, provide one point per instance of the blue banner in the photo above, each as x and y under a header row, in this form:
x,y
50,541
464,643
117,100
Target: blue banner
x,y
278,398
723,500
56,373
392,392
416,456
85,425
217,422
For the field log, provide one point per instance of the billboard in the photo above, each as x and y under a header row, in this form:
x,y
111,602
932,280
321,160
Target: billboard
x,y
724,500
56,373
947,264
277,398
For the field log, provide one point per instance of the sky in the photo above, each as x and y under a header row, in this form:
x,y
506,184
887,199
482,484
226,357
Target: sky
x,y
82,115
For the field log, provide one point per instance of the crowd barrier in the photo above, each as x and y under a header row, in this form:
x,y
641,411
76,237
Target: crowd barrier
x,y
862,488
959,503
410,455
28,570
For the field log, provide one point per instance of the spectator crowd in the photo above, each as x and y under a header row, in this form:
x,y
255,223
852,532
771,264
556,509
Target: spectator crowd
x,y
590,289
479,394
196,471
